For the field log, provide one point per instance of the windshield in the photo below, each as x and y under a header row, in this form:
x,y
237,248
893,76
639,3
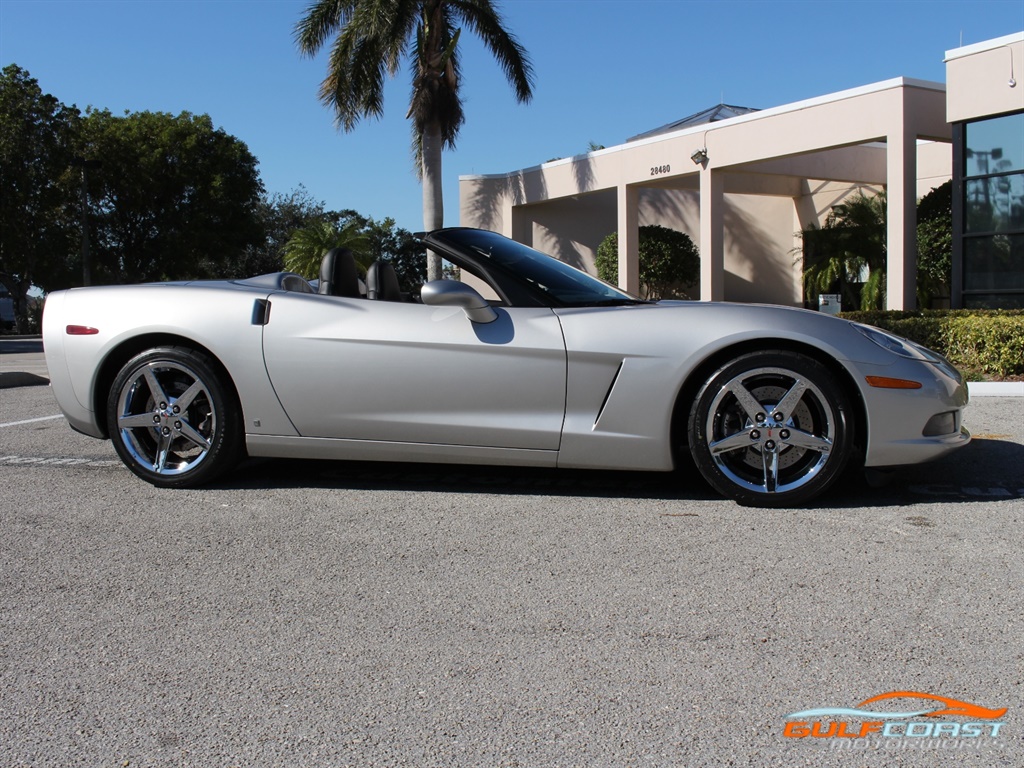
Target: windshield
x,y
566,285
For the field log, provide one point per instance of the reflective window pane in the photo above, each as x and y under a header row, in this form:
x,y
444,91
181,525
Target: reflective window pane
x,y
995,204
995,145
994,263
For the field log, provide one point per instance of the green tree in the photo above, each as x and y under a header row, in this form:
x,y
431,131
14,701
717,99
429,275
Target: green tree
x,y
279,216
848,254
373,37
307,246
669,261
934,244
174,198
39,219
396,245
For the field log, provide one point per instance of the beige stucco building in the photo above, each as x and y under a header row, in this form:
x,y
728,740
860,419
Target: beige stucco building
x,y
742,187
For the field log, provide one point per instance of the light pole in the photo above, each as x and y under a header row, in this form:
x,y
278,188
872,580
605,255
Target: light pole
x,y
81,162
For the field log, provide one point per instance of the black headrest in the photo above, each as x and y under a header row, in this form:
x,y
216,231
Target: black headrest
x,y
382,282
338,274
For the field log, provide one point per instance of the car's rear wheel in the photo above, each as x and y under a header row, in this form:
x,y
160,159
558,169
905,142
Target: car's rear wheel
x,y
771,429
173,419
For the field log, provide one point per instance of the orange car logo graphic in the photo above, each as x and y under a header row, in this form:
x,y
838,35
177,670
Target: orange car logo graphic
x,y
877,717
952,707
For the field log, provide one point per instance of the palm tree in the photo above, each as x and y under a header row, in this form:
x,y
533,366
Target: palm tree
x,y
849,249
306,247
372,39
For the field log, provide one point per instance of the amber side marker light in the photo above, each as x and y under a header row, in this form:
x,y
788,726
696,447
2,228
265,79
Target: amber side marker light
x,y
81,330
884,382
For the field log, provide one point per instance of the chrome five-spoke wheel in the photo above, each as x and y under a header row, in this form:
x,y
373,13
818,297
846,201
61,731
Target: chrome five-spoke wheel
x,y
770,429
171,419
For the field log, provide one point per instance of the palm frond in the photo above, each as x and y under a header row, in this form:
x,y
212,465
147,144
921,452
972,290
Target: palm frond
x,y
485,21
321,20
306,247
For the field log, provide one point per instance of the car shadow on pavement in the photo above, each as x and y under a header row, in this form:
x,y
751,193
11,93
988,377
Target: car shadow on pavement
x,y
986,470
459,478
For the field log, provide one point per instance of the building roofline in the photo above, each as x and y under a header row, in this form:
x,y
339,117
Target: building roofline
x,y
797,106
987,45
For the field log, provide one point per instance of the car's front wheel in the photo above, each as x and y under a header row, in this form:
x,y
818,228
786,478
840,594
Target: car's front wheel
x,y
173,419
771,429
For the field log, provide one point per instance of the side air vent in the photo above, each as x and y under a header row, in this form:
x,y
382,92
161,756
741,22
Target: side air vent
x,y
608,394
261,312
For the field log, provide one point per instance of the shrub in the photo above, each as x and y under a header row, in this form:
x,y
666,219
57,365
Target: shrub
x,y
990,344
669,261
979,342
934,244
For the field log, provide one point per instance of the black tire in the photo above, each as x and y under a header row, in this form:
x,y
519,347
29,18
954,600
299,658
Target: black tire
x,y
174,419
760,454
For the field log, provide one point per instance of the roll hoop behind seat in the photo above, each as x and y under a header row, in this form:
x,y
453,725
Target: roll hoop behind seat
x,y
338,274
382,282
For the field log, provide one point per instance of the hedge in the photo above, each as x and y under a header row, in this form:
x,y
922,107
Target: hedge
x,y
978,342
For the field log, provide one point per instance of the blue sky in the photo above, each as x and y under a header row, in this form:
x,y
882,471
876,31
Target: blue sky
x,y
605,70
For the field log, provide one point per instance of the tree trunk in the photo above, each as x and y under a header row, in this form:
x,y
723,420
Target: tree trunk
x,y
433,203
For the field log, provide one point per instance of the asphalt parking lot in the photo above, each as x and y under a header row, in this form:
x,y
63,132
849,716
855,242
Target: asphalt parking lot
x,y
318,614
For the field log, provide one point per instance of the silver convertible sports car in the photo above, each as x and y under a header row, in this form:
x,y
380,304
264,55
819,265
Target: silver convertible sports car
x,y
528,362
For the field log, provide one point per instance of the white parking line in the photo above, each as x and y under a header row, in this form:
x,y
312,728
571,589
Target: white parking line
x,y
57,460
31,421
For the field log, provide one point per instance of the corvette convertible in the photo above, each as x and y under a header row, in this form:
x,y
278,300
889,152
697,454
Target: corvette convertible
x,y
524,361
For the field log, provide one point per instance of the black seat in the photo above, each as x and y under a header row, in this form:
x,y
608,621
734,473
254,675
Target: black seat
x,y
338,274
382,282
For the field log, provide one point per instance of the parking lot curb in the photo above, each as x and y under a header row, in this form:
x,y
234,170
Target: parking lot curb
x,y
995,388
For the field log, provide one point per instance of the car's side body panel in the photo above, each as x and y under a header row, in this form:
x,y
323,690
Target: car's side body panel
x,y
215,316
410,373
627,366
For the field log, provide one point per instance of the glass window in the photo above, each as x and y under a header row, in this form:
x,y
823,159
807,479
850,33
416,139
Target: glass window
x,y
995,145
995,204
994,263
991,260
565,284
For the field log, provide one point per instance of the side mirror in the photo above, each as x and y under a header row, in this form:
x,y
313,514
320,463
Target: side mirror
x,y
452,293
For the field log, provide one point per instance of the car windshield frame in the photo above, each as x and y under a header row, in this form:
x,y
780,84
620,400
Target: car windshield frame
x,y
554,282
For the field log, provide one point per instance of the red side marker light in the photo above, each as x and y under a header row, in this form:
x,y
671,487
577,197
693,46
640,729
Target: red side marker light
x,y
884,382
81,330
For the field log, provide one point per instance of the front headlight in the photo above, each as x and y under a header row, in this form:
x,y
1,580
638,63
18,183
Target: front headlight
x,y
898,346
909,350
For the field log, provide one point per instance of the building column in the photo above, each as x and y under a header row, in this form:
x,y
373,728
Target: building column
x,y
901,216
508,213
520,226
629,238
712,235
